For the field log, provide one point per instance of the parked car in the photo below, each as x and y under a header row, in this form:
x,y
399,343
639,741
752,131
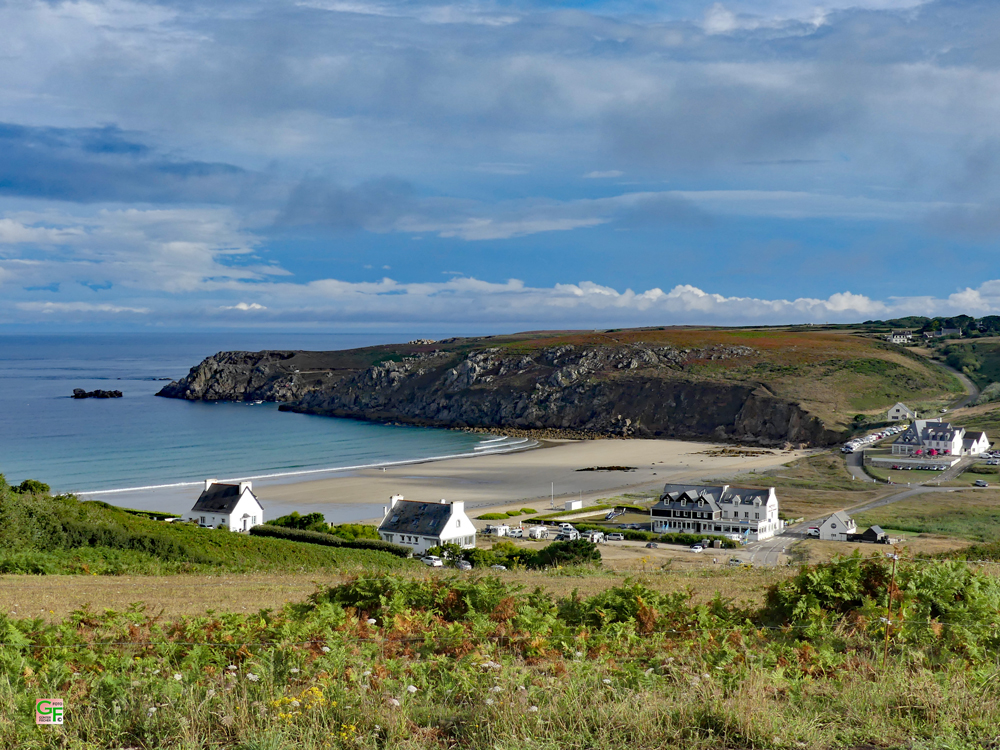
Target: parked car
x,y
614,537
516,533
813,531
498,567
735,561
432,561
982,483
652,545
463,565
697,548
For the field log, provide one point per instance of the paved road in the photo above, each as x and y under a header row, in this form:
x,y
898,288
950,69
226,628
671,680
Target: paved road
x,y
971,389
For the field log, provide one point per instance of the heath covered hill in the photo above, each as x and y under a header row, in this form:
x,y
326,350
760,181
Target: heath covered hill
x,y
767,386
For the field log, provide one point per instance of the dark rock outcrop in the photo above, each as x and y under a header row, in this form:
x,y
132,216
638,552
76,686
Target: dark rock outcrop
x,y
80,393
634,390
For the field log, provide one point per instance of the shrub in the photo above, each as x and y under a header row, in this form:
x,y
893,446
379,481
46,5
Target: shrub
x,y
529,511
328,540
352,531
574,552
33,487
308,522
513,513
492,517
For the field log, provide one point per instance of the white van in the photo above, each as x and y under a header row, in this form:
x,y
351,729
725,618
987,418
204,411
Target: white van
x,y
516,533
615,537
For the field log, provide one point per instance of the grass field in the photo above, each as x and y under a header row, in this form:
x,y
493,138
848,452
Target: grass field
x,y
973,515
826,470
913,476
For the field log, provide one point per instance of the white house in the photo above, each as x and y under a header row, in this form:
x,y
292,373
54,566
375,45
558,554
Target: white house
x,y
900,337
837,527
924,436
697,509
231,505
423,525
901,412
975,443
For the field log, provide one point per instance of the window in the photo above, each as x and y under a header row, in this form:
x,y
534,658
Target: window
x,y
202,520
757,516
458,521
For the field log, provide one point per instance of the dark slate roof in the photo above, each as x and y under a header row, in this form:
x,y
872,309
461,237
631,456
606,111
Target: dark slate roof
x,y
675,495
876,530
974,435
219,498
413,517
923,430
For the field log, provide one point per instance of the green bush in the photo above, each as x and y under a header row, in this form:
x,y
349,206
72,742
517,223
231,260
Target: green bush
x,y
529,511
33,487
513,513
575,552
492,517
308,522
352,531
328,540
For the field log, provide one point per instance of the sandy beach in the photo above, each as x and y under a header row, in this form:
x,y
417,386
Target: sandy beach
x,y
522,479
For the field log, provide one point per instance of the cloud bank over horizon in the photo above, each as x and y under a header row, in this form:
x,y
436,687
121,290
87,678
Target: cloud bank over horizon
x,y
365,164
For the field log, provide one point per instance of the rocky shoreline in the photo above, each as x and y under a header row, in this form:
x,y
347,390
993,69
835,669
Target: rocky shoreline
x,y
81,393
589,392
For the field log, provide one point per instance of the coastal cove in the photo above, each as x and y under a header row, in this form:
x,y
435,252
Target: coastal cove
x,y
139,440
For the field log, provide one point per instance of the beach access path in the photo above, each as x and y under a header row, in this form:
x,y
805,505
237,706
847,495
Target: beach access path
x,y
526,477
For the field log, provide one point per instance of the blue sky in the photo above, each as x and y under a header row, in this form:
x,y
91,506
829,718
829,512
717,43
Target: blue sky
x,y
370,164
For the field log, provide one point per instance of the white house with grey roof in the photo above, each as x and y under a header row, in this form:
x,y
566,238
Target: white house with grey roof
x,y
422,525
926,437
700,509
901,412
837,527
233,506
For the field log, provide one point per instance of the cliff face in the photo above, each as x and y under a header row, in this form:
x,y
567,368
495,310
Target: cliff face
x,y
633,390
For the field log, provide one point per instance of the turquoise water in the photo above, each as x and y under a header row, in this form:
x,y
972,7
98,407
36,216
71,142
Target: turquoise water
x,y
144,441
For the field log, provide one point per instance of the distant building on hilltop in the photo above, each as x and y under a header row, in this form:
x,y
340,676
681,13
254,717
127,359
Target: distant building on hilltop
x,y
422,525
900,337
699,509
901,412
233,506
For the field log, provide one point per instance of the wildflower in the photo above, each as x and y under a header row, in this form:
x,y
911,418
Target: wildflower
x,y
178,676
295,704
367,673
650,671
232,667
704,676
489,701
372,621
156,671
252,677
151,710
532,709
522,688
578,655
294,670
209,693
606,681
411,689
325,649
393,702
496,689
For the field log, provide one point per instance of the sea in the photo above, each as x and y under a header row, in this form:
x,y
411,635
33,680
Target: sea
x,y
148,452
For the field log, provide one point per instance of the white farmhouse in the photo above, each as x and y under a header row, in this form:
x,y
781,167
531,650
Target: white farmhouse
x,y
900,337
697,509
423,525
837,527
901,412
233,506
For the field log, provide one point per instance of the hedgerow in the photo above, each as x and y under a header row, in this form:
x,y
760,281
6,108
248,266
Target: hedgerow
x,y
329,540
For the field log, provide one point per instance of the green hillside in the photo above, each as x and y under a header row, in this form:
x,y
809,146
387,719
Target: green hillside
x,y
46,535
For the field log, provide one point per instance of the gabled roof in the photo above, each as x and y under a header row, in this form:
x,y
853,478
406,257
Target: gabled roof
x,y
840,517
414,517
677,495
974,435
876,530
923,430
901,405
220,498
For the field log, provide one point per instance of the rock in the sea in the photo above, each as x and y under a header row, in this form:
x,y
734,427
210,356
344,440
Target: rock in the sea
x,y
80,393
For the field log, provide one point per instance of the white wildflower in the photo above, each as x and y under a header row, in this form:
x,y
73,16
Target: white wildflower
x,y
178,676
372,621
578,654
704,676
294,670
366,673
606,681
253,677
650,671
532,709
393,702
522,688
209,693
295,704
151,711
411,689
489,701
325,649
156,671
232,667
496,689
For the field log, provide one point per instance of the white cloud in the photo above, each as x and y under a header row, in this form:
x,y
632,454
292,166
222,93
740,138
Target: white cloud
x,y
603,175
50,308
243,306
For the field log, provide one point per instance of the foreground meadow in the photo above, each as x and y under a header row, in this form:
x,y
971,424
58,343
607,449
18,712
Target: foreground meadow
x,y
390,661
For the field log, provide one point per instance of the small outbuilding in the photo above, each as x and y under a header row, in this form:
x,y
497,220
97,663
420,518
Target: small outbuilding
x,y
901,412
232,506
871,535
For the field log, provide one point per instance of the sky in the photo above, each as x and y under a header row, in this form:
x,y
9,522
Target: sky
x,y
495,166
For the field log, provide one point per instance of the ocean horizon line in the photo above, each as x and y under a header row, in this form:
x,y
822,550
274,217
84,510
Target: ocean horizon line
x,y
519,445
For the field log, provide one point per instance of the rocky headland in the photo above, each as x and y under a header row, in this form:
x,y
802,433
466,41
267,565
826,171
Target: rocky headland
x,y
81,393
633,389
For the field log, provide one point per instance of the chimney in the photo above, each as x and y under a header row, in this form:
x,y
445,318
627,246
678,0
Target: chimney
x,y
209,483
443,501
394,499
457,506
246,486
